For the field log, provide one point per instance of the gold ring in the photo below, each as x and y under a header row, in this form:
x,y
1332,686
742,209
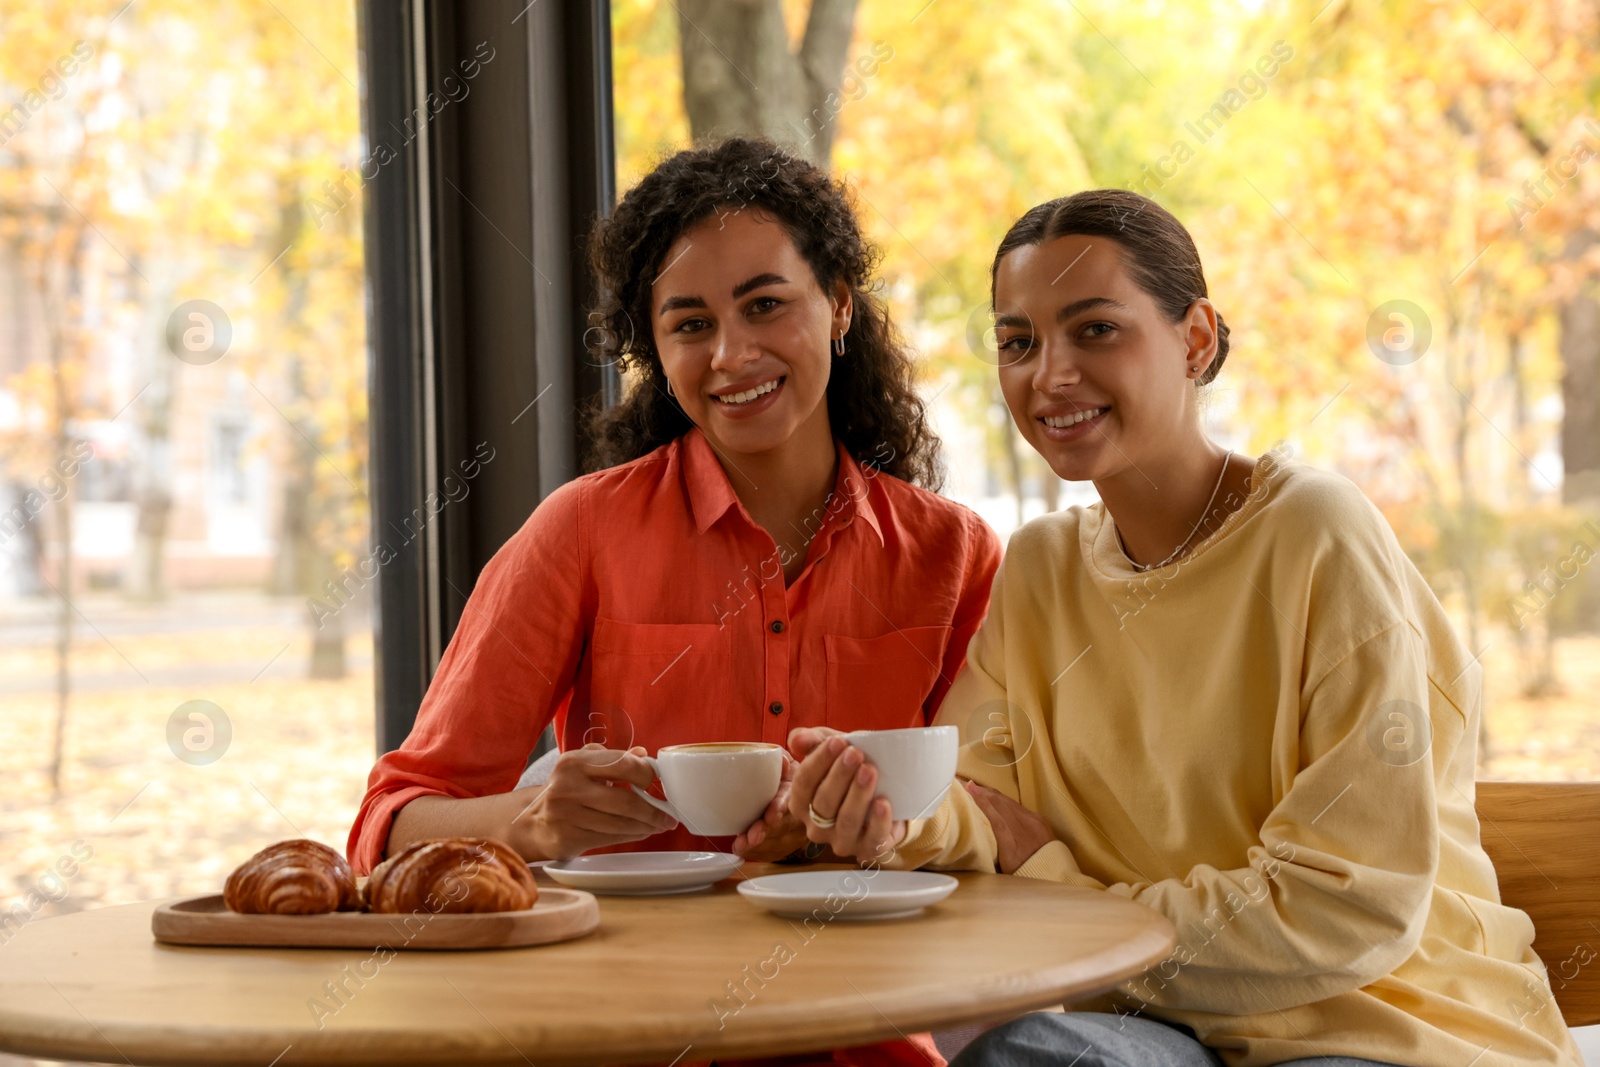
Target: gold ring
x,y
818,821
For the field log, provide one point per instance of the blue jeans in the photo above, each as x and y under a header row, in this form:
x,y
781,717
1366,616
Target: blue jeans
x,y
1095,1039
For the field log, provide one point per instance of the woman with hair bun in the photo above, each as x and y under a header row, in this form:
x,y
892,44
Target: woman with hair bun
x,y
758,548
1227,694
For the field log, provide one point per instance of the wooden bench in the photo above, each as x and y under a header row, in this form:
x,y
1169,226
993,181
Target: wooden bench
x,y
1544,839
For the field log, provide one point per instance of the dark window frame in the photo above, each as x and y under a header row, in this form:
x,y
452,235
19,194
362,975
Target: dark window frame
x,y
477,290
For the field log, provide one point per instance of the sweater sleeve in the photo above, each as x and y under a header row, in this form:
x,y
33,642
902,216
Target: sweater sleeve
x,y
1326,905
506,672
957,835
996,737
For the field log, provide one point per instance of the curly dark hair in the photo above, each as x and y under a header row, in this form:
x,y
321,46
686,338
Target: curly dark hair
x,y
872,401
1161,256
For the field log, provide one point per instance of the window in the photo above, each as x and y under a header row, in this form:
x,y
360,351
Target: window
x,y
228,473
1401,242
183,440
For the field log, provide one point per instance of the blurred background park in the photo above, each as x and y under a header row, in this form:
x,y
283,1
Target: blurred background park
x,y
1397,203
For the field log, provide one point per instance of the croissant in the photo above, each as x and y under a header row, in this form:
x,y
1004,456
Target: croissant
x,y
452,874
298,877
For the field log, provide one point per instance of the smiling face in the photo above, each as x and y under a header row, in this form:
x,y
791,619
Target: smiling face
x,y
744,332
1096,378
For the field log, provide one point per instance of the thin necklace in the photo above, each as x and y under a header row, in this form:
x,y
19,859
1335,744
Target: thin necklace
x,y
1142,567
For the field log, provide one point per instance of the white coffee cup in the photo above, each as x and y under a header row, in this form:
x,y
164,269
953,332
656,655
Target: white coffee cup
x,y
717,788
915,766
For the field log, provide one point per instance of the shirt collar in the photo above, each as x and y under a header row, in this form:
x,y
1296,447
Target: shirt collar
x,y
711,493
855,488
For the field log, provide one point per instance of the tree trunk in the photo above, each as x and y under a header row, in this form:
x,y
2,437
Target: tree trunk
x,y
299,568
32,583
1580,383
1580,426
1008,444
302,565
1050,488
1459,352
327,647
63,415
1536,651
145,577
740,75
63,639
292,567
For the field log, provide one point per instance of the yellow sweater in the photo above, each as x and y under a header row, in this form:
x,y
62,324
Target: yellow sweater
x,y
1272,743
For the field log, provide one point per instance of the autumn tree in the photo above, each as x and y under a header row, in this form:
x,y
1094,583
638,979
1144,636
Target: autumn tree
x,y
741,74
122,200
1327,165
55,183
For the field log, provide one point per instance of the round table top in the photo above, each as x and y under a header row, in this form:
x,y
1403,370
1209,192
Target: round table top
x,y
666,978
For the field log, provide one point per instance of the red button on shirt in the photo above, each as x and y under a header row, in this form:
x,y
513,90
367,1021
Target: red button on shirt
x,y
639,606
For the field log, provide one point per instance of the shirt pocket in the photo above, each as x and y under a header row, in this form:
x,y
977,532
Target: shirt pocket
x,y
669,681
880,683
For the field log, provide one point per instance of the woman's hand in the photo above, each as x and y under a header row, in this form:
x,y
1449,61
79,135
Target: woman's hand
x,y
1018,832
587,804
835,782
777,833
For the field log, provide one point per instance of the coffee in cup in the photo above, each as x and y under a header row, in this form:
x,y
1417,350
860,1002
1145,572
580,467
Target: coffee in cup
x,y
716,788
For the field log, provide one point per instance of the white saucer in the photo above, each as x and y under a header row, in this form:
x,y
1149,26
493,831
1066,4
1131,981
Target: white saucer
x,y
645,873
828,895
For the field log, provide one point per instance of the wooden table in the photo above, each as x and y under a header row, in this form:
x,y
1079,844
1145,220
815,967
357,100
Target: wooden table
x,y
691,977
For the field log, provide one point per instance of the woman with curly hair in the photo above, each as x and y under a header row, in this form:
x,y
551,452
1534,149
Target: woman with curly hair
x,y
758,548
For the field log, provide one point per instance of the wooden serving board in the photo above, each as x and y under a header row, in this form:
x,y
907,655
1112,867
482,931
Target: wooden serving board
x,y
559,915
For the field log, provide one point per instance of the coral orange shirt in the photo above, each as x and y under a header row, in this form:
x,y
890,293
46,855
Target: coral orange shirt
x,y
641,605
